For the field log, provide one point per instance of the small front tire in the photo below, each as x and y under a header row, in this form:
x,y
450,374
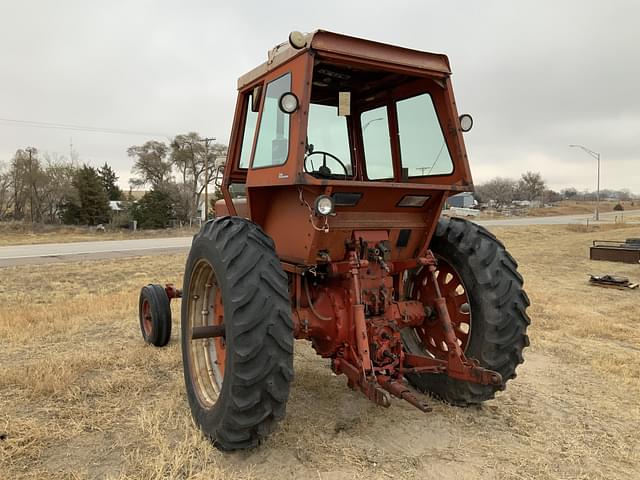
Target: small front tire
x,y
154,312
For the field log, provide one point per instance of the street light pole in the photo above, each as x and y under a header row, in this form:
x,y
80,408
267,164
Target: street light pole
x,y
595,155
598,191
370,122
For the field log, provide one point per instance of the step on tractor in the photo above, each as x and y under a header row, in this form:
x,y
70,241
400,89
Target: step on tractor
x,y
342,155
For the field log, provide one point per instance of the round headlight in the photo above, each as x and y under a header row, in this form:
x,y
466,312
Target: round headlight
x,y
288,102
466,122
324,205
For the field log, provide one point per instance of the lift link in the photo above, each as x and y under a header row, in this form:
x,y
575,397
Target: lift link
x,y
361,378
362,340
458,366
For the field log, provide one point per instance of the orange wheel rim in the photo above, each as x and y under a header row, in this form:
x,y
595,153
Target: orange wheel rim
x,y
206,356
453,290
147,318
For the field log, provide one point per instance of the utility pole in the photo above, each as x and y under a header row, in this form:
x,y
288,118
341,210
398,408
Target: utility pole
x,y
16,210
31,182
206,142
595,155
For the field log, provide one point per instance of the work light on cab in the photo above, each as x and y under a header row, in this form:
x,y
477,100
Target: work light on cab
x,y
324,205
466,122
288,103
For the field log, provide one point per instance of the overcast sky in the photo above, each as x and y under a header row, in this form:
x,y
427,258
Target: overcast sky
x,y
536,75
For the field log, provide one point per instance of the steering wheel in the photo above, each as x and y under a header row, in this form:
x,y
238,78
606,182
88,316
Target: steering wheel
x,y
324,171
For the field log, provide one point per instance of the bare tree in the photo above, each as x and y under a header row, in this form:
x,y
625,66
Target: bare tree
x,y
28,180
151,166
19,187
625,195
531,186
499,190
188,155
569,192
6,197
56,192
551,196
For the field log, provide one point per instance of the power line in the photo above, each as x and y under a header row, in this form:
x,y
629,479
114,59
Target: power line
x,y
78,128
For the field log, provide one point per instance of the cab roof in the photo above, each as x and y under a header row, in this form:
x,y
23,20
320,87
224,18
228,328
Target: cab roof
x,y
344,48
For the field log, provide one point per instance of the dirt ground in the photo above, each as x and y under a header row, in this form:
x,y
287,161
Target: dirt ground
x,y
81,396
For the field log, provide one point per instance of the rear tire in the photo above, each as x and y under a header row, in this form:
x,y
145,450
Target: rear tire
x,y
238,390
497,304
154,313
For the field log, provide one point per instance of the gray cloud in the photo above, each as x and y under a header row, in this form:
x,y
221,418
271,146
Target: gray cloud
x,y
536,76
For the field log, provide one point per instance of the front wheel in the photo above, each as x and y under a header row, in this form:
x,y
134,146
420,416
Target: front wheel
x,y
238,382
154,314
487,305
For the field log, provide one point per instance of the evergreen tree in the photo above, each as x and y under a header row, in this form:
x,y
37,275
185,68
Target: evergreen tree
x,y
153,210
90,204
110,182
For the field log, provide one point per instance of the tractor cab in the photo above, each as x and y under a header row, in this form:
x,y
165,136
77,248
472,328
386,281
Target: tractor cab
x,y
368,130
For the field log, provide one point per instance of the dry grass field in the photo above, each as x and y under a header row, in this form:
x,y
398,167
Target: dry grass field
x,y
572,207
16,233
81,396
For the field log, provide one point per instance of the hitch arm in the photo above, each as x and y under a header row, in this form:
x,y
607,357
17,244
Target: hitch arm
x,y
458,366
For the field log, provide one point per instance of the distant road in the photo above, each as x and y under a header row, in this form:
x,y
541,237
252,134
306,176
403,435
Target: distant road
x,y
67,252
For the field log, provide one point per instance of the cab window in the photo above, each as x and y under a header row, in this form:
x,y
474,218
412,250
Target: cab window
x,y
423,149
377,143
327,142
249,131
272,147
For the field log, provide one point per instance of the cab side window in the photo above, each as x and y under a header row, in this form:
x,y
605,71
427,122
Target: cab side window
x,y
250,120
423,148
272,147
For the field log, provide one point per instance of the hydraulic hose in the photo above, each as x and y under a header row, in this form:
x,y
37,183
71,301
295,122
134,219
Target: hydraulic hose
x,y
313,309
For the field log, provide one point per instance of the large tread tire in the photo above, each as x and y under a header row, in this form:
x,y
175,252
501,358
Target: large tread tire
x,y
498,306
258,367
159,332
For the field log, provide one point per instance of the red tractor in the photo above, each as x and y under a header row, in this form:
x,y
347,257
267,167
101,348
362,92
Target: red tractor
x,y
342,154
